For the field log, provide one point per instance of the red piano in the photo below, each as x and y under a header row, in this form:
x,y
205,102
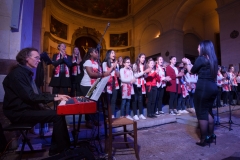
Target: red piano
x,y
76,105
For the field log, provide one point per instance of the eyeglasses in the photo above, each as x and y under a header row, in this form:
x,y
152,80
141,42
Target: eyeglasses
x,y
37,58
127,62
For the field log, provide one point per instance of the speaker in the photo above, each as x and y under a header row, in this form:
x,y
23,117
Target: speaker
x,y
16,13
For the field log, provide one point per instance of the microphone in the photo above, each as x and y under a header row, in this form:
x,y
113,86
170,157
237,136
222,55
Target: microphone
x,y
108,24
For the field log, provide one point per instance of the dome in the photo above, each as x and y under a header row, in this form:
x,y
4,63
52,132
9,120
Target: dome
x,y
99,8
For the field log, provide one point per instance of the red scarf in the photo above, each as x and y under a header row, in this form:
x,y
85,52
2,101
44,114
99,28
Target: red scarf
x,y
76,69
109,83
94,70
57,69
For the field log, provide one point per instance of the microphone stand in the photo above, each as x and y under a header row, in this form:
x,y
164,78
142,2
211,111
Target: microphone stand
x,y
230,110
98,49
230,122
217,105
100,41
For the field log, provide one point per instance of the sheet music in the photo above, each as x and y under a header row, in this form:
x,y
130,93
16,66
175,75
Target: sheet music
x,y
62,103
97,88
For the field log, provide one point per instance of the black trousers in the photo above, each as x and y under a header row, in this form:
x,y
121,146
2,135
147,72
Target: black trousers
x,y
173,100
232,93
151,95
60,137
56,90
112,99
159,99
75,90
137,100
225,97
218,101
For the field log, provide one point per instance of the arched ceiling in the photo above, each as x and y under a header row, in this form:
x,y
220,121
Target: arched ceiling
x,y
204,8
99,8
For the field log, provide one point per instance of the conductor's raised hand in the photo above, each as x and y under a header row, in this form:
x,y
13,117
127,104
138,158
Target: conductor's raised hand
x,y
186,61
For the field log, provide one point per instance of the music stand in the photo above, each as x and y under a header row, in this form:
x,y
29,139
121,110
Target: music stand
x,y
230,122
44,57
93,94
230,109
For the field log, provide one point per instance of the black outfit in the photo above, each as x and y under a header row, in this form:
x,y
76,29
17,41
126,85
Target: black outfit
x,y
151,95
62,81
40,75
137,100
206,88
218,100
159,100
75,80
225,95
232,93
238,87
112,98
173,100
21,101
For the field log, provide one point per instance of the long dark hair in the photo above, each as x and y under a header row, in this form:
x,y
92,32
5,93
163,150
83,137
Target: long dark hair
x,y
88,55
138,62
108,59
207,50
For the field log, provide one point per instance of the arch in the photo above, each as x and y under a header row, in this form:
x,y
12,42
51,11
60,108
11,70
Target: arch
x,y
83,43
182,12
191,31
190,45
150,22
91,33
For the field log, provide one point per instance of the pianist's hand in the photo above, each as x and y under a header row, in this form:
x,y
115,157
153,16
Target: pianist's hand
x,y
61,97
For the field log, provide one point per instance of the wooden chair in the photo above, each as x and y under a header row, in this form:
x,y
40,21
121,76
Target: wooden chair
x,y
114,123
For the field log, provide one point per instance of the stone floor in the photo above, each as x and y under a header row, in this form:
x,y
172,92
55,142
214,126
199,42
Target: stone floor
x,y
165,138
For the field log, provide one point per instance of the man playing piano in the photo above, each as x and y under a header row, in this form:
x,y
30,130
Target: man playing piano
x,y
22,99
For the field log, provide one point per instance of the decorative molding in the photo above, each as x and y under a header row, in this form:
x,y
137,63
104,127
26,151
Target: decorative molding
x,y
226,7
57,40
99,9
66,9
91,33
88,32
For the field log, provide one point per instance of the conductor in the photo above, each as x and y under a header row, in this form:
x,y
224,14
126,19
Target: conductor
x,y
22,99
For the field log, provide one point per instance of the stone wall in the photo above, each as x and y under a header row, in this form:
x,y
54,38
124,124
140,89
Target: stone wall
x,y
230,21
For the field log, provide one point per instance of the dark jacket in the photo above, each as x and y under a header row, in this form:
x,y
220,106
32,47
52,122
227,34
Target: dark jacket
x,y
19,94
62,80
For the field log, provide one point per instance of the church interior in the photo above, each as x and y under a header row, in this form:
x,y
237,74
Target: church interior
x,y
129,27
